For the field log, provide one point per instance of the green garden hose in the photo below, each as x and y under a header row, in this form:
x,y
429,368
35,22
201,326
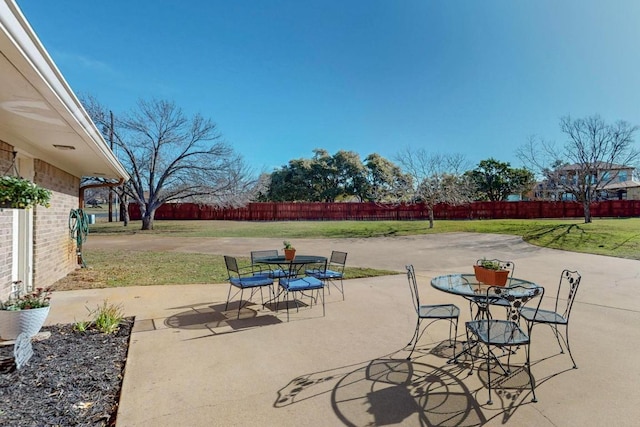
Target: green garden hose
x,y
78,230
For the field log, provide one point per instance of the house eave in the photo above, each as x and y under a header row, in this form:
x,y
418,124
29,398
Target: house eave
x,y
38,109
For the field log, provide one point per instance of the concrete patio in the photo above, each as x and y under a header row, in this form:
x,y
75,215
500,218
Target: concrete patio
x,y
190,364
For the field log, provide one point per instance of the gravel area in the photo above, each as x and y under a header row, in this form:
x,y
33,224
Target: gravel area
x,y
72,379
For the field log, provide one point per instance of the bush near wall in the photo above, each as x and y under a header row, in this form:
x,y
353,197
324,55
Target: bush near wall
x,y
376,212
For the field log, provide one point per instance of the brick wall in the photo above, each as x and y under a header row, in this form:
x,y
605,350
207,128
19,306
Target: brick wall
x,y
54,251
6,221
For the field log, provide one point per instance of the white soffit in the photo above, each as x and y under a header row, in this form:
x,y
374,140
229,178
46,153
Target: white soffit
x,y
38,109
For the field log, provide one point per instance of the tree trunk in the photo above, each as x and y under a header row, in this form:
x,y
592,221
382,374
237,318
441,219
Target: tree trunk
x,y
587,211
147,220
430,217
124,210
147,223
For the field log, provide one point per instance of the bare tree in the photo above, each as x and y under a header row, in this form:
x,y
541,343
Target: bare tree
x,y
580,167
172,158
435,178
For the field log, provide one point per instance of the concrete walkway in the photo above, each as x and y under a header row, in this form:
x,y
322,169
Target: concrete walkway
x,y
192,364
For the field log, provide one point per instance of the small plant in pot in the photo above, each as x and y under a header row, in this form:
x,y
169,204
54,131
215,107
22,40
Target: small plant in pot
x,y
490,272
289,250
24,313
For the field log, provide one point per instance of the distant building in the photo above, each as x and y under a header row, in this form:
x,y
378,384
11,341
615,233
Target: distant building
x,y
613,182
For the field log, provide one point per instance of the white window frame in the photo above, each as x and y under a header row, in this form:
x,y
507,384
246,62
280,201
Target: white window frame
x,y
22,249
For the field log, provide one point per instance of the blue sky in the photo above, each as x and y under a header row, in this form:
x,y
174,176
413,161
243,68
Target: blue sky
x,y
283,77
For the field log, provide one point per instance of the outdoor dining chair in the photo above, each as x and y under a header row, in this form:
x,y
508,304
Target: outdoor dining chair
x,y
260,270
504,334
332,272
479,302
243,278
434,312
569,282
306,284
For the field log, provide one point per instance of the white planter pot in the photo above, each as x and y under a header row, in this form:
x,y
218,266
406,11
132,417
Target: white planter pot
x,y
13,323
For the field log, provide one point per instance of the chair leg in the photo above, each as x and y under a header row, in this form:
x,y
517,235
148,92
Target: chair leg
x,y
473,359
295,300
339,287
286,302
489,402
272,297
568,346
509,353
240,302
455,337
533,386
414,338
311,298
565,338
557,334
226,306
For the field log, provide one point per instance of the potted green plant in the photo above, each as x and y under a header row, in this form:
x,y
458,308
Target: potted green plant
x,y
19,193
490,272
289,251
24,313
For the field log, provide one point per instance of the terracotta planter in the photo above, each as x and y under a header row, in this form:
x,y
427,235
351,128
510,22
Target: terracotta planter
x,y
13,323
289,254
491,277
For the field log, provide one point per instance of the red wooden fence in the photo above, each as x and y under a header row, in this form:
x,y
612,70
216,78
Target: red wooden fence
x,y
371,211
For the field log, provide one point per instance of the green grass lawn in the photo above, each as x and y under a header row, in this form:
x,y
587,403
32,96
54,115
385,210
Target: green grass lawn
x,y
110,268
613,237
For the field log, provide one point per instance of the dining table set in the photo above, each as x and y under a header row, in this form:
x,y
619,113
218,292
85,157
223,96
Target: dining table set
x,y
292,277
502,317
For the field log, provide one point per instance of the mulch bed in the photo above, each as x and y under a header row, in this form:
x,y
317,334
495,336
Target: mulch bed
x,y
73,379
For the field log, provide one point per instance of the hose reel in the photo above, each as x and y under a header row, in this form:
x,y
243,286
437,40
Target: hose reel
x,y
78,231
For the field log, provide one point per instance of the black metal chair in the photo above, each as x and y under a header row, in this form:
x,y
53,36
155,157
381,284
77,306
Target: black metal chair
x,y
291,285
242,280
504,334
568,279
332,272
433,312
259,270
479,301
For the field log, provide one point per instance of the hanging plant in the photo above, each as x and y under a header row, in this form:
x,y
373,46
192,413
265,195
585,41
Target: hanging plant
x,y
19,193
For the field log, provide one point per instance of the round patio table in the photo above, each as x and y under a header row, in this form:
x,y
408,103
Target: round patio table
x,y
466,285
481,295
293,266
